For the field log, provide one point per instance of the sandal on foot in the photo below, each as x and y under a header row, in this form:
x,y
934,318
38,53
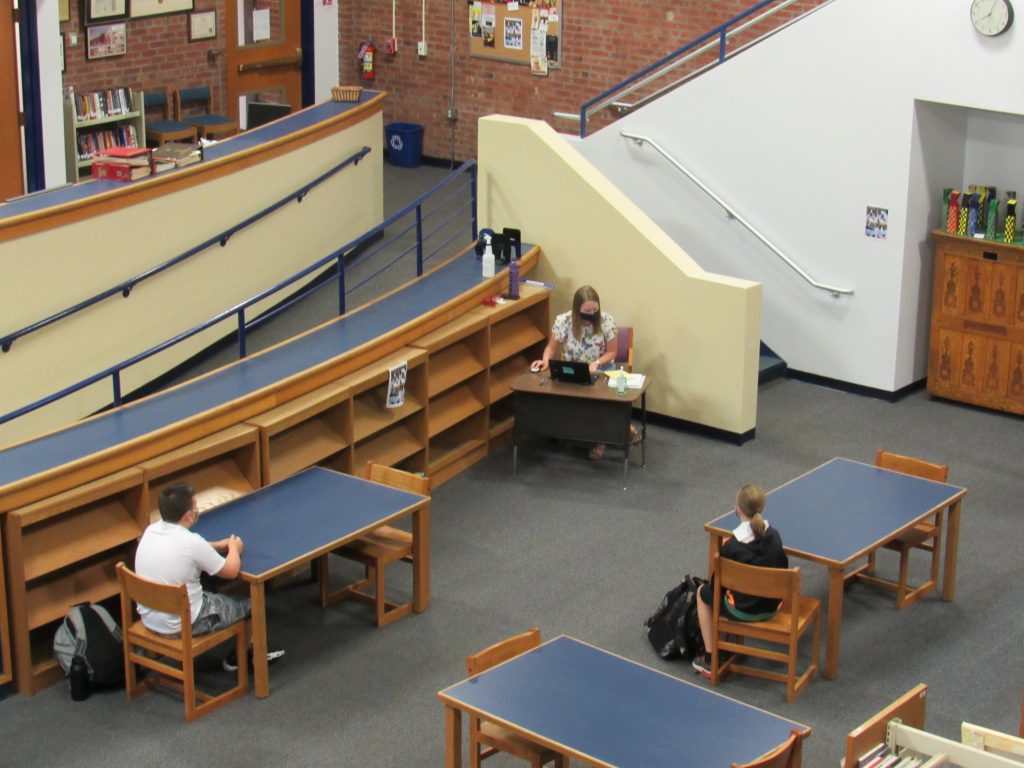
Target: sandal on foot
x,y
596,452
635,438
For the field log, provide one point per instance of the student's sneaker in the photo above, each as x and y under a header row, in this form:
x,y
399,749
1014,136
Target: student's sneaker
x,y
702,664
230,662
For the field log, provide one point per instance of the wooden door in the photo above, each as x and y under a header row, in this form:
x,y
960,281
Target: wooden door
x,y
10,108
263,54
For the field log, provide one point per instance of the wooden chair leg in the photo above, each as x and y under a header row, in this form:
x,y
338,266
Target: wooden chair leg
x,y
474,745
378,595
901,587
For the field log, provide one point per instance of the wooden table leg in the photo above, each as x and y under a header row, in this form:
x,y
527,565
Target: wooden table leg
x,y
261,676
833,622
952,545
421,559
452,737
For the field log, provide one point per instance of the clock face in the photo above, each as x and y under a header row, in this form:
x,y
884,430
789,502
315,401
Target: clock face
x,y
991,17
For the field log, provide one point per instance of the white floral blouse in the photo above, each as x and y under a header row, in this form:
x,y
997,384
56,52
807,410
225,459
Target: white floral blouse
x,y
591,346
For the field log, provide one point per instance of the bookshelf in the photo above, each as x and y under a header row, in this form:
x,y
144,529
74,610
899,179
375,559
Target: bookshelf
x,y
220,467
517,334
60,551
314,428
900,728
99,120
458,395
391,436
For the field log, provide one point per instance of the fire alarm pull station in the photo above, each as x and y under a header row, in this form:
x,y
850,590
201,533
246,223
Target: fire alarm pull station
x,y
391,45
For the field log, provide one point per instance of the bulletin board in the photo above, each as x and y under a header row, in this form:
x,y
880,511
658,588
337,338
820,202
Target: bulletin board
x,y
524,32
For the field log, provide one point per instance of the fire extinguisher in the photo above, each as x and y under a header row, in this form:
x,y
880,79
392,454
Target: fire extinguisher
x,y
369,69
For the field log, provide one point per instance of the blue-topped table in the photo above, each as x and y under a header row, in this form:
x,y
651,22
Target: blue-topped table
x,y
604,710
842,511
304,517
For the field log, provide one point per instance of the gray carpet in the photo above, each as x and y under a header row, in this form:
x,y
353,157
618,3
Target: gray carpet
x,y
561,546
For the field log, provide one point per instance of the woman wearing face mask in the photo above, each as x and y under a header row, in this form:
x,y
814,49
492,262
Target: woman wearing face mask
x,y
586,335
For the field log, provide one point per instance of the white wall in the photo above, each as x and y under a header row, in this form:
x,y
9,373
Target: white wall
x,y
325,44
863,103
51,92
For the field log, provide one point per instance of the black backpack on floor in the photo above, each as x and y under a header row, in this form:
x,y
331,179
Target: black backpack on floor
x,y
674,629
88,630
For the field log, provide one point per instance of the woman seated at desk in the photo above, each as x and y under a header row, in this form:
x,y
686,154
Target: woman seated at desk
x,y
586,335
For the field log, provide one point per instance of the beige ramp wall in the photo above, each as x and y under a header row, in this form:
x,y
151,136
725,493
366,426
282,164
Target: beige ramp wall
x,y
48,270
697,334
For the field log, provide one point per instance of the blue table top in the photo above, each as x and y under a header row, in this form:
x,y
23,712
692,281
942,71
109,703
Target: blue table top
x,y
618,712
839,511
244,377
297,121
295,518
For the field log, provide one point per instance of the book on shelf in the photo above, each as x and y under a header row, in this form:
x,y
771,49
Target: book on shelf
x,y
111,170
177,152
139,156
98,105
91,143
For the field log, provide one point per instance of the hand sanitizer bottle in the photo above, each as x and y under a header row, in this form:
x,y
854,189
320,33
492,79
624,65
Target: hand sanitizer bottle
x,y
488,258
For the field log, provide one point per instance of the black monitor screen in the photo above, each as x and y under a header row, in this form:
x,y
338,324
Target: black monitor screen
x,y
258,113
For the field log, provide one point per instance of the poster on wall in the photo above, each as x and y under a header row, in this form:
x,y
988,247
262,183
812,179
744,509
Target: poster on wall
x,y
106,40
143,8
876,222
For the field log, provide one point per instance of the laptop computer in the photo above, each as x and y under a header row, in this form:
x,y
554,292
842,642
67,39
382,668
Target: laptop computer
x,y
571,371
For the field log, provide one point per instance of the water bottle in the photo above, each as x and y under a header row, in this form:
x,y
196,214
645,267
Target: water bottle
x,y
78,677
513,279
620,384
488,260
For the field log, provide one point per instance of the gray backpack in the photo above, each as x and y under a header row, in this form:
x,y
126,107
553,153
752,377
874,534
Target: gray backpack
x,y
89,631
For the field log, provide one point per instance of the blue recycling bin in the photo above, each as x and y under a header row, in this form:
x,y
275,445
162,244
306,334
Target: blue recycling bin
x,y
404,144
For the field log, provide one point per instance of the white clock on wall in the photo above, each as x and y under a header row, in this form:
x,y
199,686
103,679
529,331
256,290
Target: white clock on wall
x,y
991,17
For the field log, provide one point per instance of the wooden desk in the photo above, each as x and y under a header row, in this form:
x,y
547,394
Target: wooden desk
x,y
592,413
303,517
843,510
604,710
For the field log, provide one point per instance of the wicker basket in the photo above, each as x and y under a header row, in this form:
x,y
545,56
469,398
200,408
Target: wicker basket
x,y
346,92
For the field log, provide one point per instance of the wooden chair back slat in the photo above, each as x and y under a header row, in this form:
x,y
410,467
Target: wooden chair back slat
x,y
909,465
502,651
777,583
780,757
160,597
397,478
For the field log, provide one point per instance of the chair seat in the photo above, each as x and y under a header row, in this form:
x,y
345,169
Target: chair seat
x,y
210,125
775,627
171,646
384,545
915,537
505,740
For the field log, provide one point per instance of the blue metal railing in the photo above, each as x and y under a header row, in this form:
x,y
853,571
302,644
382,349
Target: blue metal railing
x,y
338,257
125,288
721,32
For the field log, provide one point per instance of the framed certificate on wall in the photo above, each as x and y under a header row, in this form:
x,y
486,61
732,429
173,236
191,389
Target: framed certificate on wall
x,y
103,11
141,8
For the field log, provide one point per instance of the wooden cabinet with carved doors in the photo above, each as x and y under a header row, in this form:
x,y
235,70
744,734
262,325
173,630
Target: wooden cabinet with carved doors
x,y
976,353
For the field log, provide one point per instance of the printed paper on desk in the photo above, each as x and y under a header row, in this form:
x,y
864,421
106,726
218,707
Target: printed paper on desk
x,y
633,380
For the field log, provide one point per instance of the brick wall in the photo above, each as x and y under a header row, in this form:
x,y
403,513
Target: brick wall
x,y
602,44
159,56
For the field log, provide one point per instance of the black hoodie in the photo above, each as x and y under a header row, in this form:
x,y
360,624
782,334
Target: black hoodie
x,y
766,552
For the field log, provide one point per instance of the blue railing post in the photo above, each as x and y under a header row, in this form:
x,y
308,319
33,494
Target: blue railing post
x,y
341,283
241,333
419,240
721,45
116,381
472,201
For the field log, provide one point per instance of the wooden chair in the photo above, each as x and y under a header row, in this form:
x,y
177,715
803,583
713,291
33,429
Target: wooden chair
x,y
624,352
374,551
206,122
487,739
182,650
786,755
925,535
165,129
796,613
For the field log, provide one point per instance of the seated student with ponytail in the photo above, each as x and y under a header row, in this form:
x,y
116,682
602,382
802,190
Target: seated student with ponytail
x,y
753,542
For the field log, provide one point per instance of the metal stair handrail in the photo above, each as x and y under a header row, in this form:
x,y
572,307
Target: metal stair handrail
x,y
715,37
832,290
125,288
